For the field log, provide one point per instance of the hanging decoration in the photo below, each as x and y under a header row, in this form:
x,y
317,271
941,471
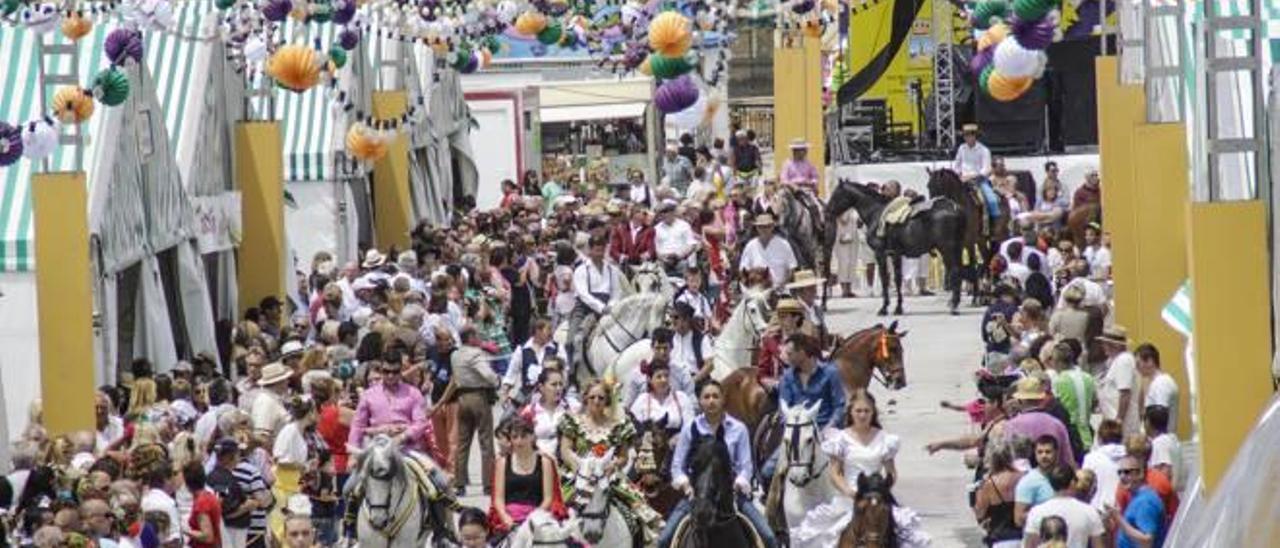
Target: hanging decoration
x,y
40,18
676,95
670,35
1007,88
296,67
40,137
669,67
366,144
988,13
111,87
1011,53
73,105
76,26
10,144
122,45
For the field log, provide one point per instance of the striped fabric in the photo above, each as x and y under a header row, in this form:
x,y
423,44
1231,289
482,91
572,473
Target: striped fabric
x,y
1177,313
172,60
311,132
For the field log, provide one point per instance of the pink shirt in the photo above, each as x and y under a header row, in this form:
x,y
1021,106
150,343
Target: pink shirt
x,y
403,406
800,173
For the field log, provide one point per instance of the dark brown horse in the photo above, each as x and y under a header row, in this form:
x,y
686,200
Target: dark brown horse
x,y
1079,219
653,464
981,238
862,354
872,523
744,398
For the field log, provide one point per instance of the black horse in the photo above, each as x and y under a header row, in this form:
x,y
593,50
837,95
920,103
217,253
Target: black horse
x,y
713,518
980,238
938,226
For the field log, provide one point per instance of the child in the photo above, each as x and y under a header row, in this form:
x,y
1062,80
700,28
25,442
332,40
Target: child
x,y
205,523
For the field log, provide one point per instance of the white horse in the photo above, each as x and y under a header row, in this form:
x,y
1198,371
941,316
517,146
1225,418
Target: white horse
x,y
803,462
401,506
601,523
631,319
542,529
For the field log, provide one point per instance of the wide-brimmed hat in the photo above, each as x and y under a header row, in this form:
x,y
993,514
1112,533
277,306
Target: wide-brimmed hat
x,y
1073,294
799,144
273,373
1115,334
1029,388
290,349
805,278
763,219
969,128
789,305
373,259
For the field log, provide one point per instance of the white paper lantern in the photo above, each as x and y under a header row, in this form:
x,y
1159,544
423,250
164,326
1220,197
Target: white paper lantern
x,y
39,139
255,49
1011,59
689,118
41,18
507,11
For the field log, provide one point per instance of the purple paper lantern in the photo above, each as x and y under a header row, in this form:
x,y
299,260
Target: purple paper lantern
x,y
803,6
676,95
10,144
1036,34
122,45
276,10
980,61
472,64
344,11
349,38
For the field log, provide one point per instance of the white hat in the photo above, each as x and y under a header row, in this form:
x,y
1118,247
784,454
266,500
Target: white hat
x,y
373,259
298,505
273,373
363,282
799,143
407,259
290,349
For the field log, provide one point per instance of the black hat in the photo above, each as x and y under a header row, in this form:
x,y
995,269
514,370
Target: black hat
x,y
682,310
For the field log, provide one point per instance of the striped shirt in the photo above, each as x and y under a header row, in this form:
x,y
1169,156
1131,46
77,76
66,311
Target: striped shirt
x,y
251,483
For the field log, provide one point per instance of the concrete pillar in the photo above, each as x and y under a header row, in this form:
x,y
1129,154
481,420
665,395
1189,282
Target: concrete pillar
x,y
392,204
259,169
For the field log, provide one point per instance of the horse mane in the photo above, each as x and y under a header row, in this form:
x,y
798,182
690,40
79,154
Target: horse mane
x,y
945,182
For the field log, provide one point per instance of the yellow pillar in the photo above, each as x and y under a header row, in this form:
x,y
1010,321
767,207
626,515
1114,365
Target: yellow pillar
x,y
1231,321
392,205
797,99
64,300
260,173
1120,109
1159,176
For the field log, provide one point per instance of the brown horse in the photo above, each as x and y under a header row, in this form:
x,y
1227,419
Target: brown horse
x,y
1080,218
876,348
979,236
653,465
744,398
872,523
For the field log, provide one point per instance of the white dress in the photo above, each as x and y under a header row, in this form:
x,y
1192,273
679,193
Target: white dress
x,y
822,526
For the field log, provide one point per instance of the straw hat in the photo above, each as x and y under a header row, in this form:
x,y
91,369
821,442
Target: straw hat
x,y
789,305
805,278
969,128
763,219
373,259
799,144
1073,294
1115,334
290,349
273,373
1029,388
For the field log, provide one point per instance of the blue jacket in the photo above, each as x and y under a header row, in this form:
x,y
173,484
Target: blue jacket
x,y
824,386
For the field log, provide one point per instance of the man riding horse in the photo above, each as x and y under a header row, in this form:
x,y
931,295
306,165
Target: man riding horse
x,y
596,283
973,163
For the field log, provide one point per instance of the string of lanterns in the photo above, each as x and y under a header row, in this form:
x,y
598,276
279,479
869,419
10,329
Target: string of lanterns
x,y
1011,50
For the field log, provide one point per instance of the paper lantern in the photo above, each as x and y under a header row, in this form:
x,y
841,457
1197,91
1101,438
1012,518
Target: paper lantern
x,y
349,38
992,36
40,138
338,57
645,67
276,10
1007,88
984,80
980,61
676,95
295,67
319,11
550,34
691,117
507,11
813,28
530,23
122,45
72,105
111,87
41,18
988,13
255,49
473,63
8,7
486,57
224,4
1012,60
668,67
1037,35
670,34
801,7
76,26
344,11
10,144
1032,10
365,144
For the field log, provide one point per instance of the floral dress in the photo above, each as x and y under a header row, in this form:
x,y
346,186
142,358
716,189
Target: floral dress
x,y
823,525
585,439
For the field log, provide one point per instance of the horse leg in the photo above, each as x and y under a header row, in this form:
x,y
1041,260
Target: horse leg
x,y
882,264
897,281
954,259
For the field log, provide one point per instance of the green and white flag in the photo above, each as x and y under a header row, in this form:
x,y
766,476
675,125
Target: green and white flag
x,y
1177,313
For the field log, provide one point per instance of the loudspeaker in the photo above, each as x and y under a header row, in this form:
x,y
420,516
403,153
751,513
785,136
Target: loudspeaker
x,y
1014,126
1073,97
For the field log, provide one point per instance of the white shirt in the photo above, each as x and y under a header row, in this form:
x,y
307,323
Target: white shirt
x,y
1104,461
512,377
1083,522
777,256
677,408
1019,272
290,446
1163,390
641,194
676,238
108,435
1167,450
683,356
973,160
1094,294
1122,374
1099,259
699,191
208,422
268,413
588,280
159,501
696,300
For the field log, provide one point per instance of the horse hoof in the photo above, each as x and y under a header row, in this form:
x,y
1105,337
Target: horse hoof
x,y
898,311
883,312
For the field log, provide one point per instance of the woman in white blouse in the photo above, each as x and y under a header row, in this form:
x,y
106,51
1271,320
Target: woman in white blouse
x,y
548,407
660,402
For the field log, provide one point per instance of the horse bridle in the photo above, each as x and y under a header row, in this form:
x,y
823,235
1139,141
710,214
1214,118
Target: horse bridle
x,y
397,522
793,453
880,359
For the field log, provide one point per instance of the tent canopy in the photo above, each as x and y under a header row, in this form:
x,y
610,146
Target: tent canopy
x,y
583,113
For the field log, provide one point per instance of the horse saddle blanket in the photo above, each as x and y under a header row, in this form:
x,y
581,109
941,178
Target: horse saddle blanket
x,y
899,210
418,466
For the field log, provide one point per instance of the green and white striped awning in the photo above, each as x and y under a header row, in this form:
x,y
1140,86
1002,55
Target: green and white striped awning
x,y
1177,313
172,58
312,132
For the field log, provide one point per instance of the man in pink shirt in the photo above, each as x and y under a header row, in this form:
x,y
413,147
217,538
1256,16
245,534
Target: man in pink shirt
x,y
798,171
394,408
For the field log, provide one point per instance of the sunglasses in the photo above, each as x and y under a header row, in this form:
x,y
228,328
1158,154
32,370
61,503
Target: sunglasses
x,y
1127,471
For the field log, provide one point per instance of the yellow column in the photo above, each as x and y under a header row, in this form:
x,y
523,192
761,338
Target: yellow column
x,y
64,298
392,205
797,99
1231,321
1120,109
260,173
1160,245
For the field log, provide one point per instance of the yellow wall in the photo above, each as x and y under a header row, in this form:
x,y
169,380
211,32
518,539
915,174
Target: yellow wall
x,y
1160,178
1120,109
393,207
260,174
64,300
1232,318
797,98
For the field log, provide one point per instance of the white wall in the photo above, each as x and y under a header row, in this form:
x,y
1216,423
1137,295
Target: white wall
x,y
494,144
19,350
313,225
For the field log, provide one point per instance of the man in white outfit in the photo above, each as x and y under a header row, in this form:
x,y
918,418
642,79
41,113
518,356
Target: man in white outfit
x,y
596,284
973,163
767,251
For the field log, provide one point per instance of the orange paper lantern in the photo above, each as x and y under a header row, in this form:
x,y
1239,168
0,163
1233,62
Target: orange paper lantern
x,y
530,23
76,26
72,105
645,68
992,36
670,34
363,144
813,28
1008,88
296,67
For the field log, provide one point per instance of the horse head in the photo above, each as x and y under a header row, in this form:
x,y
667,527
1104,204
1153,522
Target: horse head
x,y
648,278
756,309
800,443
652,451
944,182
713,499
381,467
591,490
872,525
888,357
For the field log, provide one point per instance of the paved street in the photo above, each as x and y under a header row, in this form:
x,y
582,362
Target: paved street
x,y
941,352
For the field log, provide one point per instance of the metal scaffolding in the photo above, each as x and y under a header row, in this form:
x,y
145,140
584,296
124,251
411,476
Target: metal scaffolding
x,y
1235,133
944,121
58,52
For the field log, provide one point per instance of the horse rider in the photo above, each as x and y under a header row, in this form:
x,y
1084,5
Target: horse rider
x,y
704,429
674,240
526,364
804,287
691,349
596,282
767,251
897,211
661,342
694,295
631,243
973,163
809,380
798,171
639,191
788,319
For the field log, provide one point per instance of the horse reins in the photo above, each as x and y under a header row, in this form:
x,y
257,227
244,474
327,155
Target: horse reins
x,y
400,520
793,453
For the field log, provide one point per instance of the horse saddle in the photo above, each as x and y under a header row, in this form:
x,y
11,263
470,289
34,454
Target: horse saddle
x,y
721,528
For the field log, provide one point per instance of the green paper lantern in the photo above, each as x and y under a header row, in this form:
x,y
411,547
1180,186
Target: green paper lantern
x,y
224,4
111,87
462,56
8,7
1033,10
551,34
338,56
492,44
667,68
985,11
985,78
322,12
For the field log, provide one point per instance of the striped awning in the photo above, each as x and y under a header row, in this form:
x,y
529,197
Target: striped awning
x,y
172,58
312,131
